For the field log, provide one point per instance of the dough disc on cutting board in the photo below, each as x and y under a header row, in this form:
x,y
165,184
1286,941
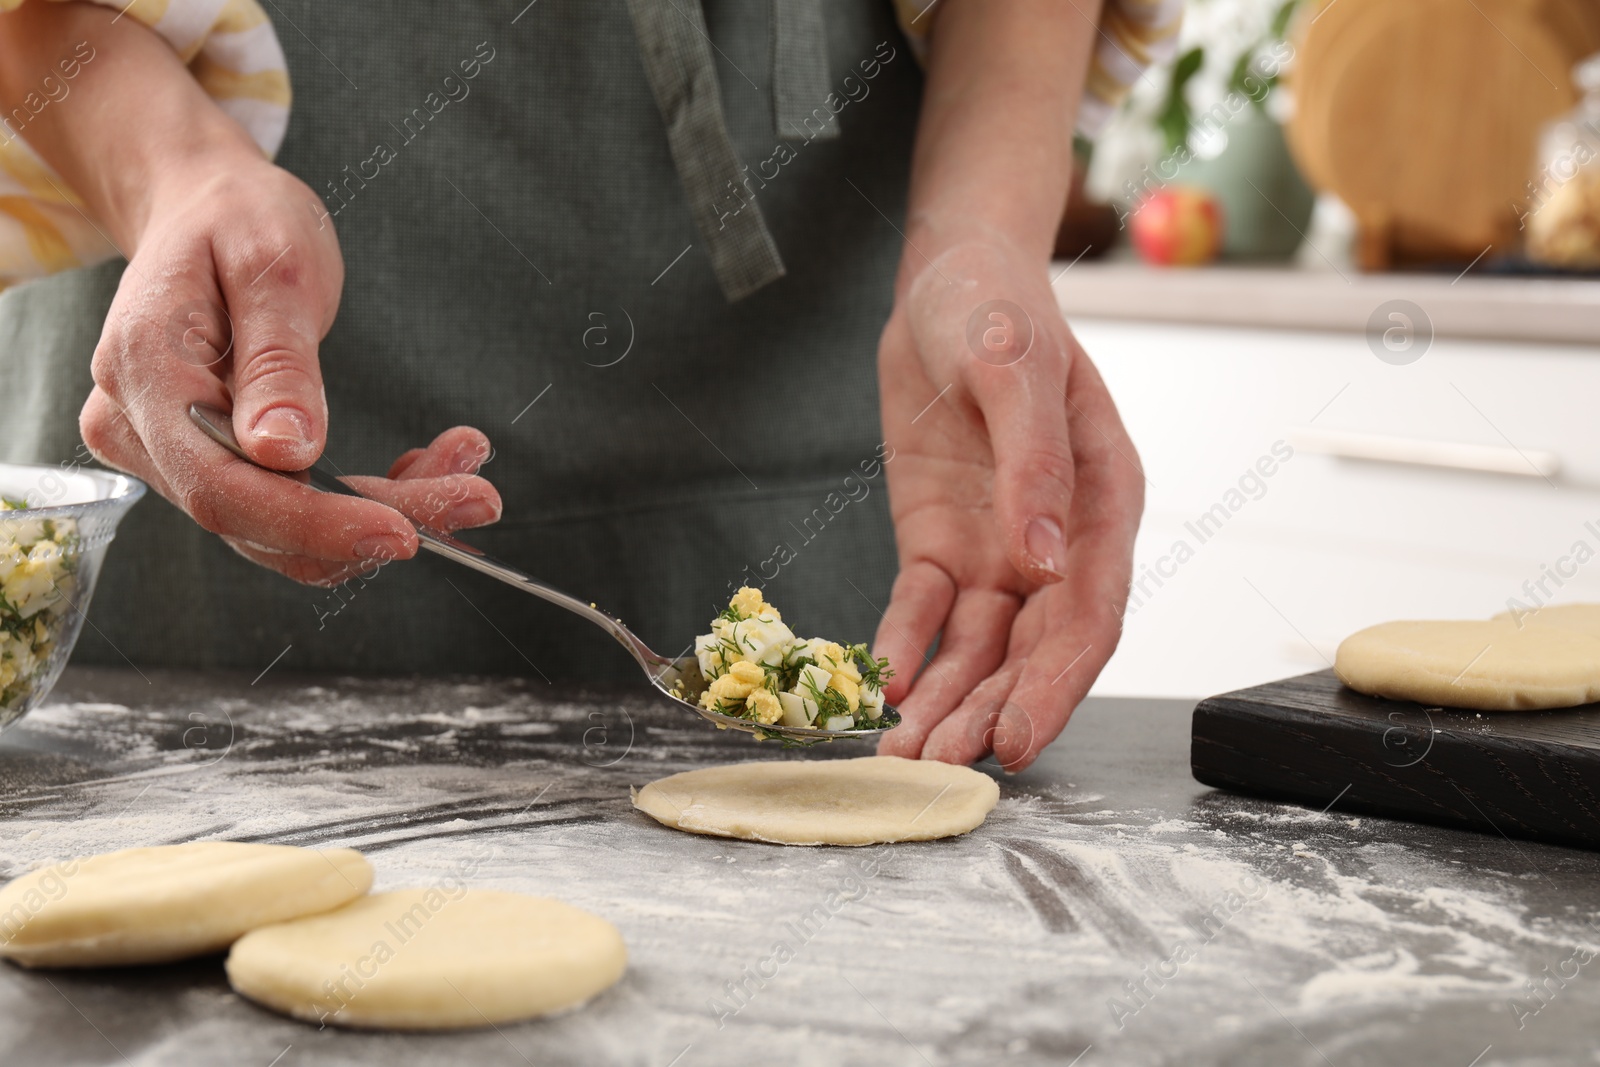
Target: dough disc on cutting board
x,y
430,959
152,905
824,802
1551,660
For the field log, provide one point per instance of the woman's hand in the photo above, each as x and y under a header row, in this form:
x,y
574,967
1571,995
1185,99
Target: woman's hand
x,y
235,280
1014,489
1016,495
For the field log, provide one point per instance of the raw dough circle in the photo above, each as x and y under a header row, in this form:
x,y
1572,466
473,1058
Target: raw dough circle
x,y
824,802
1497,665
152,905
430,959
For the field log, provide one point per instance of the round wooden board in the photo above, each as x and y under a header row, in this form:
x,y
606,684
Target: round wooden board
x,y
1424,116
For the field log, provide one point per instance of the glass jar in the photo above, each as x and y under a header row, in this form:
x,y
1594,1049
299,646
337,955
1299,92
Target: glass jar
x,y
1562,211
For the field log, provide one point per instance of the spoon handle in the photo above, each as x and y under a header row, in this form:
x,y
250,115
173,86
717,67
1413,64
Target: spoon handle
x,y
218,425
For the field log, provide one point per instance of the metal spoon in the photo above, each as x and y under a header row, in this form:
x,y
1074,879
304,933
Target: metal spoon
x,y
680,679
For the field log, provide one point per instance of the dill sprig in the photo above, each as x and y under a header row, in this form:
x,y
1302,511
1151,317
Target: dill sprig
x,y
874,672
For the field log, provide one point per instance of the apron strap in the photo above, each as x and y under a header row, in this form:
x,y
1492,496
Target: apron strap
x,y
800,73
676,52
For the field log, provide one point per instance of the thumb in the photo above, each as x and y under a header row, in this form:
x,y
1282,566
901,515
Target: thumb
x,y
1024,408
990,318
280,413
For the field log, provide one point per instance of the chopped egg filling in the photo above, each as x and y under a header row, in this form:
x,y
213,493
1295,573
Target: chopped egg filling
x,y
38,560
757,669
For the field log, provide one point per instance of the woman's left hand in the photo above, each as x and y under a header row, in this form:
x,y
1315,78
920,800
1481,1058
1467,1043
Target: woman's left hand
x,y
1016,494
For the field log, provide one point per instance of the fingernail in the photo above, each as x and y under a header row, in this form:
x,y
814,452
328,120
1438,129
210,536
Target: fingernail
x,y
283,424
380,546
471,458
1046,544
472,513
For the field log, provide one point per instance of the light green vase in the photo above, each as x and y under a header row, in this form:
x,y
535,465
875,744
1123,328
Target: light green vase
x,y
1266,205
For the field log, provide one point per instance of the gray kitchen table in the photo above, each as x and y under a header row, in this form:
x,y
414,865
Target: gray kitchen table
x,y
1110,911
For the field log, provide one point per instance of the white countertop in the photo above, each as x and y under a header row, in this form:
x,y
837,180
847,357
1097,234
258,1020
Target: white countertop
x,y
1472,306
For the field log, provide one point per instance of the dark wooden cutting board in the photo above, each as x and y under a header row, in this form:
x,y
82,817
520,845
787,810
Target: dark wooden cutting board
x,y
1311,740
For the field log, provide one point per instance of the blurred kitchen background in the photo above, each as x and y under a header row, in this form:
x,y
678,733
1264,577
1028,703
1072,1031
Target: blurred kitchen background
x,y
1340,264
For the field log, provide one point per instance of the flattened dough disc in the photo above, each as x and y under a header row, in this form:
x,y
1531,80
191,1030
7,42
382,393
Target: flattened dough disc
x,y
152,905
824,802
1491,666
430,959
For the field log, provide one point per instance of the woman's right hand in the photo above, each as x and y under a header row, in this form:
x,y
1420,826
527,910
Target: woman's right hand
x,y
234,280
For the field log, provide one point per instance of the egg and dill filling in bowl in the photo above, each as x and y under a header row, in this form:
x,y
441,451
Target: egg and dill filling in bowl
x,y
56,522
757,669
38,573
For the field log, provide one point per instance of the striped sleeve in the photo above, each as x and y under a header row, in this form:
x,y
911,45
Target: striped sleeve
x,y
1133,36
232,51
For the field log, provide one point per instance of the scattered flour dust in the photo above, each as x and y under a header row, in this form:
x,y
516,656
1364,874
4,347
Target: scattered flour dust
x,y
1363,922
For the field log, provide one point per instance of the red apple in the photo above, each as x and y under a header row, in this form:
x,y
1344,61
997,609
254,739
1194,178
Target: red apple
x,y
1177,226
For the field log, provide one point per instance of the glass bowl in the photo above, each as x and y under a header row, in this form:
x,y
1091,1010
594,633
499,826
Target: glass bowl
x,y
55,525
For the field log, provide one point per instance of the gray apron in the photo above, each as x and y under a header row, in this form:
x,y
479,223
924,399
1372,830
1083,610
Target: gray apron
x,y
527,261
